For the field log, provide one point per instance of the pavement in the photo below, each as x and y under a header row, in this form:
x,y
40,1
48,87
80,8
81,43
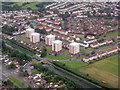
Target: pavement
x,y
6,73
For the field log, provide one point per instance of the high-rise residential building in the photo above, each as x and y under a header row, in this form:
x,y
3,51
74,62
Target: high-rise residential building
x,y
49,39
35,37
29,31
74,48
56,45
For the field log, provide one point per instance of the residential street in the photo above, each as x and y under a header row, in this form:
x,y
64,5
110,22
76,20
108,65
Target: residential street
x,y
14,73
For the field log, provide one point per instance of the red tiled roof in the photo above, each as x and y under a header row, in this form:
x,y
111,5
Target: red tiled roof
x,y
59,35
41,26
61,30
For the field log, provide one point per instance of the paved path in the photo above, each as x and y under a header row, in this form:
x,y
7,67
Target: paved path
x,y
14,73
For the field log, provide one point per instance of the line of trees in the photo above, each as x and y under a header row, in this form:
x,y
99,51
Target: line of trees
x,y
22,58
8,29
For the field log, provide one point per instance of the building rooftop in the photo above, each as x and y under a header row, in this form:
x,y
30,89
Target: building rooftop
x,y
50,36
30,29
34,34
74,44
57,41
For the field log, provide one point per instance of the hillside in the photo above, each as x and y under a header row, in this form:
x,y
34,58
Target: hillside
x,y
23,5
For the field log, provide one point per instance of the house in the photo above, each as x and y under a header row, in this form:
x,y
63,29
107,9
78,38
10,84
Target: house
x,y
41,27
84,44
61,31
86,59
93,57
56,27
90,41
109,51
57,18
49,11
94,45
109,41
60,36
77,38
102,43
101,54
90,37
48,29
42,19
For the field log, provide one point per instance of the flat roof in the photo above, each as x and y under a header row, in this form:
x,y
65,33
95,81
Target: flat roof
x,y
57,41
74,44
30,29
35,34
50,36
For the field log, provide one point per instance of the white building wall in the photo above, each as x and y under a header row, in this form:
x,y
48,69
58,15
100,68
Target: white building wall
x,y
56,46
49,39
74,48
35,38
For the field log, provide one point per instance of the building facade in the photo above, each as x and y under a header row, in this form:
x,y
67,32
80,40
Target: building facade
x,y
56,45
35,37
49,39
29,31
74,48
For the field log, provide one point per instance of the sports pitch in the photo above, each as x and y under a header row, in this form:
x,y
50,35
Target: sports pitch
x,y
104,70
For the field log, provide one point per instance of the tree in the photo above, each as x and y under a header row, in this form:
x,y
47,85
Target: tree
x,y
23,74
12,66
44,53
41,31
11,16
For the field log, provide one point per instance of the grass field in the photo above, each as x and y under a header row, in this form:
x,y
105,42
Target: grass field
x,y
74,64
80,35
106,69
111,34
35,72
17,82
59,57
24,39
82,51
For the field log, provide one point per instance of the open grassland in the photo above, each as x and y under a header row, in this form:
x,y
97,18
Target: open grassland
x,y
74,64
24,39
59,57
106,69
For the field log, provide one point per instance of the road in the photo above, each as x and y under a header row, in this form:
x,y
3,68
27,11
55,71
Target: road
x,y
6,73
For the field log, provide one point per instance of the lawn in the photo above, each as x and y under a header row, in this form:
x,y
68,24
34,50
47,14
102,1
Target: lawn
x,y
17,82
80,35
106,69
59,57
49,49
35,72
82,51
111,34
74,64
24,39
